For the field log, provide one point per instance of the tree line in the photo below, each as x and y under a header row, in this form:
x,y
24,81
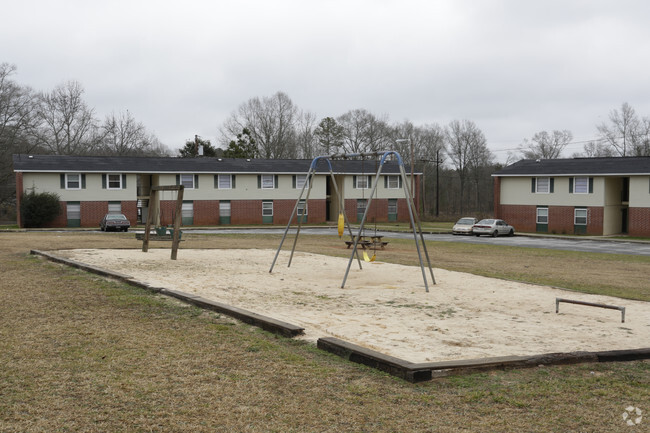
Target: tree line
x,y
60,122
454,158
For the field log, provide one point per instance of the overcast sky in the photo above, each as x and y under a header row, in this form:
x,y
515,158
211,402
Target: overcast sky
x,y
513,67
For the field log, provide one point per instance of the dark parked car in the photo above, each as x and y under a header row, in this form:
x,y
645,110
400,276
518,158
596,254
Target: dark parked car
x,y
114,221
493,227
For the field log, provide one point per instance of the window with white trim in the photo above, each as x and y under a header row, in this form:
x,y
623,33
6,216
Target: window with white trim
x,y
542,215
392,182
581,185
187,180
267,208
224,208
114,207
268,182
225,181
114,181
72,181
302,207
580,217
542,185
301,179
362,182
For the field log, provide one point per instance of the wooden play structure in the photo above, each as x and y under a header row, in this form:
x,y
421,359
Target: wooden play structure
x,y
154,218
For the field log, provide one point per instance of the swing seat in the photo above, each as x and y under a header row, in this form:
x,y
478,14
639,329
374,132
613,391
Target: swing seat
x,y
368,259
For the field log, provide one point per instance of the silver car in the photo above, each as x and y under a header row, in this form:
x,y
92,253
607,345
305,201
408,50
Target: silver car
x,y
493,227
464,226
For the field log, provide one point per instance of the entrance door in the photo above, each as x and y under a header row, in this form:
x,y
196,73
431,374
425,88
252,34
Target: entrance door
x,y
624,215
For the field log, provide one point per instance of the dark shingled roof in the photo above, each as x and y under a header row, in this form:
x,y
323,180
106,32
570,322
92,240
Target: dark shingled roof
x,y
131,164
578,166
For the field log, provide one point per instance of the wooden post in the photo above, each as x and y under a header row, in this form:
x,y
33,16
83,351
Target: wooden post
x,y
177,222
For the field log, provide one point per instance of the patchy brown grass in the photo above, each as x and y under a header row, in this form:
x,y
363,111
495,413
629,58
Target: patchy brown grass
x,y
79,353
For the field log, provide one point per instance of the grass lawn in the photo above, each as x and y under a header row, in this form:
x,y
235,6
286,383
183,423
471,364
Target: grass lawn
x,y
80,353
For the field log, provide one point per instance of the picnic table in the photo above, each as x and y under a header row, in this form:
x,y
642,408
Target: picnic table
x,y
367,242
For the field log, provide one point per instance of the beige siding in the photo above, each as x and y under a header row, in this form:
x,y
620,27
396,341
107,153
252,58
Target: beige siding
x,y
517,191
50,182
353,193
640,191
246,188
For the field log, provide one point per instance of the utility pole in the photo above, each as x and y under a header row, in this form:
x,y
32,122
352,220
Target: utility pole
x,y
437,183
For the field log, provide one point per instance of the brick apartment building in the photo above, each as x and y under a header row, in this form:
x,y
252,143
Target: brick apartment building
x,y
217,191
594,196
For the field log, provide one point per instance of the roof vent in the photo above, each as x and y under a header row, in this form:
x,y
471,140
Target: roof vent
x,y
248,160
538,160
219,159
30,156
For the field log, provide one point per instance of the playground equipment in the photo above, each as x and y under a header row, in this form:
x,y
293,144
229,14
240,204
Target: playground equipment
x,y
342,219
154,214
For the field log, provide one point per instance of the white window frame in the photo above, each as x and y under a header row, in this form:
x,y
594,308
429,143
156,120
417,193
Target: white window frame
x,y
548,185
265,183
358,182
73,211
224,179
267,208
68,180
187,209
392,203
538,220
301,180
114,207
108,181
393,178
302,208
183,180
575,216
225,209
584,185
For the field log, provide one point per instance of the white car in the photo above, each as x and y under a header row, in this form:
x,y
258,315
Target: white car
x,y
464,226
493,227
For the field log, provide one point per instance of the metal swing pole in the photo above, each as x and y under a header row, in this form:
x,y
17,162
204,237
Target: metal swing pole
x,y
312,168
411,206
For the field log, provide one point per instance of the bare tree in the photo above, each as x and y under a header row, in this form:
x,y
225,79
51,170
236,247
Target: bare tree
x,y
467,146
272,123
363,132
595,149
16,125
622,130
67,126
546,146
123,135
306,135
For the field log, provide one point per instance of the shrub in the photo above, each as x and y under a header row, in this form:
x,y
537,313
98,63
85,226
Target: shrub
x,y
38,209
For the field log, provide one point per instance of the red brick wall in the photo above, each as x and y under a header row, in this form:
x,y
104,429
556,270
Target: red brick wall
x,y
639,221
206,212
560,218
93,211
250,211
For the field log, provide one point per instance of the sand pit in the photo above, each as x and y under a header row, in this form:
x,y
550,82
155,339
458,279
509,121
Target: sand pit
x,y
385,307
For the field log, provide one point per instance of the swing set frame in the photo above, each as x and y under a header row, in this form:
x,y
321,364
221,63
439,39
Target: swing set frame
x,y
154,214
414,219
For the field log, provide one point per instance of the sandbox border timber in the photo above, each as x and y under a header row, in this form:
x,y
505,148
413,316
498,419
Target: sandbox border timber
x,y
409,371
